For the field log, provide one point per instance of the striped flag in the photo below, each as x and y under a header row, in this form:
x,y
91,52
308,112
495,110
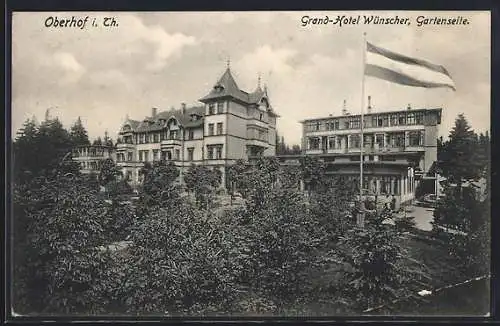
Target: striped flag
x,y
397,68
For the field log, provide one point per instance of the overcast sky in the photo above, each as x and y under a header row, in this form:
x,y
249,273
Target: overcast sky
x,y
163,59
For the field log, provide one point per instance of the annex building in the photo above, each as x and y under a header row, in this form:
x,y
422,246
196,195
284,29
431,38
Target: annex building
x,y
229,124
400,147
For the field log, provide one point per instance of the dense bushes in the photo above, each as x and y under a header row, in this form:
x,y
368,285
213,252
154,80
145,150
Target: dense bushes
x,y
181,262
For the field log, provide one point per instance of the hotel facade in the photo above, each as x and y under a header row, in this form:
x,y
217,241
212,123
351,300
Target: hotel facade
x,y
400,147
228,125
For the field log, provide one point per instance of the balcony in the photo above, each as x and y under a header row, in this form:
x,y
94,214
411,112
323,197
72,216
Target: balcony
x,y
257,142
171,142
125,146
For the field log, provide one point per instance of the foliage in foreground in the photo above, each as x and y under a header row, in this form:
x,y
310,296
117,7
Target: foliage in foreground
x,y
377,271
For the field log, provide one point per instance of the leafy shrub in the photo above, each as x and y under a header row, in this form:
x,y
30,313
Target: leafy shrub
x,y
378,271
182,262
64,227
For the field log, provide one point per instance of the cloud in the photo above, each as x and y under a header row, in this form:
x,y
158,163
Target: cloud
x,y
163,59
166,44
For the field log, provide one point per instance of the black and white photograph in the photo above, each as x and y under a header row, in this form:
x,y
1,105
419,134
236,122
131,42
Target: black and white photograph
x,y
250,164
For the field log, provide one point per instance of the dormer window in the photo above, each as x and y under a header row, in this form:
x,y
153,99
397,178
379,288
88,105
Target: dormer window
x,y
218,88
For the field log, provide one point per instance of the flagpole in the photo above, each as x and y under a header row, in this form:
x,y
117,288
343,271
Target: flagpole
x,y
362,206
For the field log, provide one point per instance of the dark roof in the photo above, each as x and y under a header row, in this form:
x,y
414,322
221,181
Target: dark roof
x,y
156,123
133,123
226,86
371,114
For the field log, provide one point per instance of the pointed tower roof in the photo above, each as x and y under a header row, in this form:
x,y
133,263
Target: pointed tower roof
x,y
226,86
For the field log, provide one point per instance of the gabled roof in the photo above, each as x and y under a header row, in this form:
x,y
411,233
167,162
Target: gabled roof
x,y
159,121
133,123
226,86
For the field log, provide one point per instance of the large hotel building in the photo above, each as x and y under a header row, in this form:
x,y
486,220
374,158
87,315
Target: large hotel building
x,y
230,124
400,147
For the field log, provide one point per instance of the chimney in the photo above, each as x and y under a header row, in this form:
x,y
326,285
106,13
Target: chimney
x,y
153,112
344,109
183,108
409,106
369,104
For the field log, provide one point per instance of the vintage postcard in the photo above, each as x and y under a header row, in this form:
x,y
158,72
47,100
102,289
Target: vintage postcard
x,y
250,164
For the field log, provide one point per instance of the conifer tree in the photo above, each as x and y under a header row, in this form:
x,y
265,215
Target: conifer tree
x,y
78,133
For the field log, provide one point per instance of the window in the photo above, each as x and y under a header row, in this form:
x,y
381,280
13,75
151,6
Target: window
x,y
173,134
129,156
394,120
379,140
190,134
141,156
190,154
416,138
177,154
260,117
318,126
219,128
155,137
210,152
146,155
399,140
155,155
402,118
210,129
220,107
339,142
331,142
355,141
219,152
146,138
385,120
336,124
354,123
211,109
411,118
419,118
314,143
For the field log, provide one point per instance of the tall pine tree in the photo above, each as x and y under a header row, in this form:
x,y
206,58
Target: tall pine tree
x,y
79,134
458,156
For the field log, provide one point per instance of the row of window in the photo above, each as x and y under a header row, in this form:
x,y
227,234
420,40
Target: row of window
x,y
387,185
144,138
215,108
213,152
257,133
382,120
211,129
415,138
92,152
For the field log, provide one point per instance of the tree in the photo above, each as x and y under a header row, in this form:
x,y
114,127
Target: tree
x,y
64,223
107,140
158,188
313,172
50,144
78,133
109,172
24,148
203,182
458,162
331,206
377,272
180,262
97,142
279,239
